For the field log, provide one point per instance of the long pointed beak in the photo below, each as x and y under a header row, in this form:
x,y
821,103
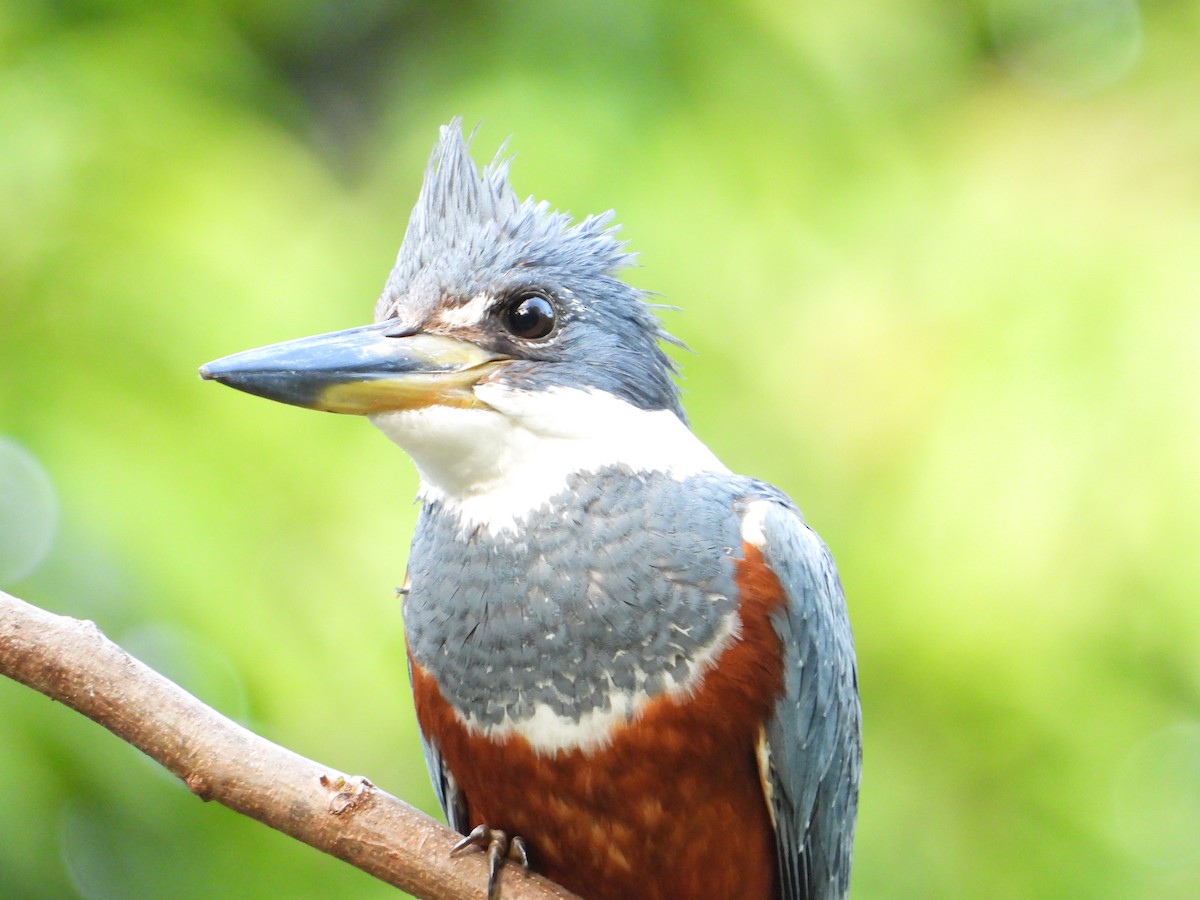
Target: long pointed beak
x,y
376,368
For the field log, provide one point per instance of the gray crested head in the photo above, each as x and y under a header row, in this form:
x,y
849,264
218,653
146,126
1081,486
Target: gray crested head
x,y
476,260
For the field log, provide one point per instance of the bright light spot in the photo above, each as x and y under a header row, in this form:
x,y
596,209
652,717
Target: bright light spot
x,y
1156,798
1067,47
192,662
90,846
28,512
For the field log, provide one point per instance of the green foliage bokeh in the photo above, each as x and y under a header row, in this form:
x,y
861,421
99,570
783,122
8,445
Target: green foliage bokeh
x,y
938,262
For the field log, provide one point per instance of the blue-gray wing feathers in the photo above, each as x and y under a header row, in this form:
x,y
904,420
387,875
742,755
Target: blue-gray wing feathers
x,y
449,797
813,746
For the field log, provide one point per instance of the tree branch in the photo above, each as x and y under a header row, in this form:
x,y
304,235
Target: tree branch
x,y
71,661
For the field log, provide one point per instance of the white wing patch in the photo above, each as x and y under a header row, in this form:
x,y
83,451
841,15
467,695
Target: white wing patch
x,y
753,523
762,750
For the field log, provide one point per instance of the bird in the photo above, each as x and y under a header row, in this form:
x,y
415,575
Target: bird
x,y
633,670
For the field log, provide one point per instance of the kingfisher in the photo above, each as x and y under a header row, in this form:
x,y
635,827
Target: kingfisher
x,y
632,669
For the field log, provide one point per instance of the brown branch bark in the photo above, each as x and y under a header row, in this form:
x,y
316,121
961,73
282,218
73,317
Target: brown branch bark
x,y
71,661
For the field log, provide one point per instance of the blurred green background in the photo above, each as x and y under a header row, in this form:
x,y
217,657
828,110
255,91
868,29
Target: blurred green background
x,y
940,262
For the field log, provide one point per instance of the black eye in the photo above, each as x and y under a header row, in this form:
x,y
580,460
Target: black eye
x,y
530,317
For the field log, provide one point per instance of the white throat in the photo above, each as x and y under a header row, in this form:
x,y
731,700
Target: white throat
x,y
496,465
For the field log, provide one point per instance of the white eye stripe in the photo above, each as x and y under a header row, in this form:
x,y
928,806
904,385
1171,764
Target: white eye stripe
x,y
470,313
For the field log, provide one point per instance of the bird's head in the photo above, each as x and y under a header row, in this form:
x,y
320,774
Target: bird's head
x,y
502,326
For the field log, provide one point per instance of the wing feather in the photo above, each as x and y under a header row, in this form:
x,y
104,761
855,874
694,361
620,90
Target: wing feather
x,y
813,743
449,796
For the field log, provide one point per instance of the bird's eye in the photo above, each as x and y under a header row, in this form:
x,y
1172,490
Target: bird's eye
x,y
531,316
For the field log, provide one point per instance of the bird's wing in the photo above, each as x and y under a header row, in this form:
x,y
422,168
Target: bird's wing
x,y
449,796
810,751
451,799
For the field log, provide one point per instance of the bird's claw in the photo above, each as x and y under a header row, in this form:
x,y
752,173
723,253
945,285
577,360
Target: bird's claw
x,y
499,847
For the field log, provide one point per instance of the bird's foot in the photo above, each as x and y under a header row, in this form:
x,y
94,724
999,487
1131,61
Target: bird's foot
x,y
499,847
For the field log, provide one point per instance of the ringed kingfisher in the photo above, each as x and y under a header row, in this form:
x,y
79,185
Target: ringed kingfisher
x,y
633,670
